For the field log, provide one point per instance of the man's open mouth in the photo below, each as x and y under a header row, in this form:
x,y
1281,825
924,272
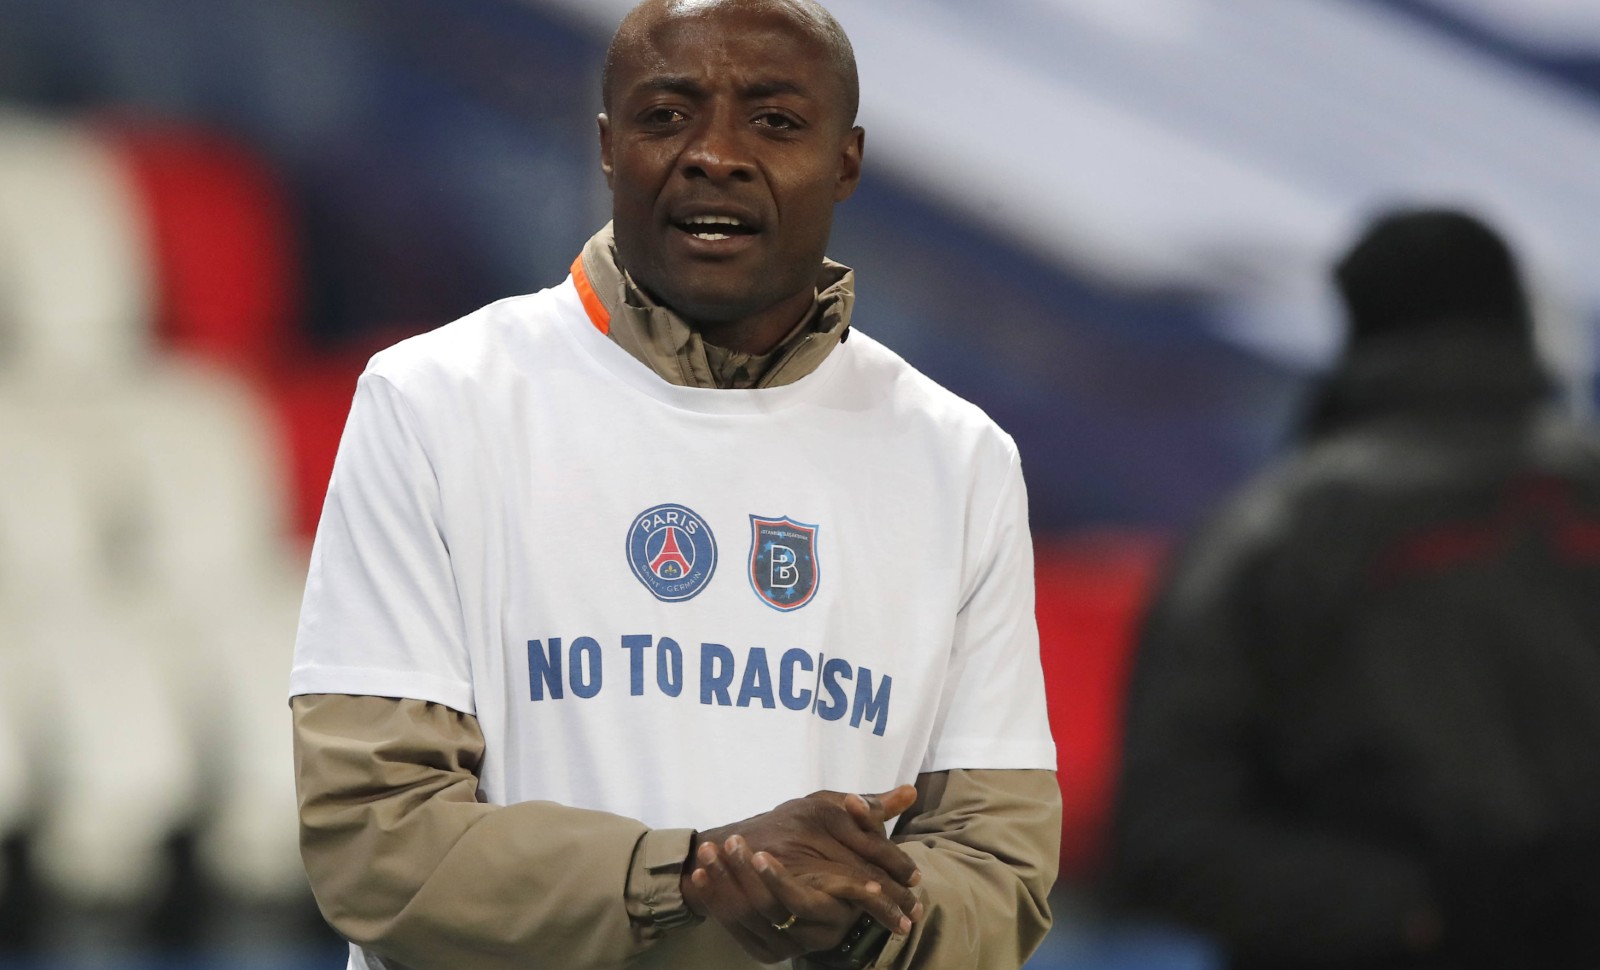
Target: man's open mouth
x,y
714,228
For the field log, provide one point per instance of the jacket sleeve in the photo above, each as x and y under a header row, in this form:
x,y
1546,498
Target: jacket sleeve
x,y
988,843
406,861
1199,837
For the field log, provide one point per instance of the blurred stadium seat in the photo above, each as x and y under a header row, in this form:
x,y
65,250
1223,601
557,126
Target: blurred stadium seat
x,y
75,288
1091,590
217,227
151,569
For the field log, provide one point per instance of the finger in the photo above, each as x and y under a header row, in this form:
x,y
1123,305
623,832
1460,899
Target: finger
x,y
875,849
889,804
752,943
865,810
728,904
837,890
715,894
872,811
761,914
767,907
860,874
805,897
720,886
887,906
870,897
841,838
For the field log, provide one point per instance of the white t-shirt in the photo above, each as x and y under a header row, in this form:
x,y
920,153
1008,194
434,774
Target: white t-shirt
x,y
822,585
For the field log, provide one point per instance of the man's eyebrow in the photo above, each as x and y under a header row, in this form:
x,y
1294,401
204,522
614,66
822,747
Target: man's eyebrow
x,y
673,84
690,88
767,89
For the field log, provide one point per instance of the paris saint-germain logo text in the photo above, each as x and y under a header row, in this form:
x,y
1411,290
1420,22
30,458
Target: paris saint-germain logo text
x,y
783,562
672,552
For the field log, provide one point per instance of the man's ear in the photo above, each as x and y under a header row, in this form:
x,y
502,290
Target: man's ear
x,y
850,152
605,147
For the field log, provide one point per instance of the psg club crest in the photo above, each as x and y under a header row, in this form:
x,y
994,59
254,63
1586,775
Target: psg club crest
x,y
672,552
783,562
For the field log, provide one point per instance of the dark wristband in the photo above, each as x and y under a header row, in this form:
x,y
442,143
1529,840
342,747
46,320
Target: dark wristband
x,y
858,949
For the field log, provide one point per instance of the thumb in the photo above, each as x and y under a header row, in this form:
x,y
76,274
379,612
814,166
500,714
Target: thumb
x,y
883,806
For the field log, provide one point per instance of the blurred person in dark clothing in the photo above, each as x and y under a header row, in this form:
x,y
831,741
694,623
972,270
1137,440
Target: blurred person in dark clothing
x,y
1364,724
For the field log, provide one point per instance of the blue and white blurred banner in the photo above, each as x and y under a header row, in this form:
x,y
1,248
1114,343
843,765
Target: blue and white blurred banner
x,y
1230,147
1571,26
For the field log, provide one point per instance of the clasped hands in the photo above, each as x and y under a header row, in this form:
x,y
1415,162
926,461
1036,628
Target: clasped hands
x,y
795,879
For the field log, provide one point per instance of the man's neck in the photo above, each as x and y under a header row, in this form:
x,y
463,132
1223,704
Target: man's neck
x,y
682,354
758,334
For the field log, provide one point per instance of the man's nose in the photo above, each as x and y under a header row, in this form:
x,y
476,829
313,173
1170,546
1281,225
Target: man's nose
x,y
718,152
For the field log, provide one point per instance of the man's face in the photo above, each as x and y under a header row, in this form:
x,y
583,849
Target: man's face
x,y
726,148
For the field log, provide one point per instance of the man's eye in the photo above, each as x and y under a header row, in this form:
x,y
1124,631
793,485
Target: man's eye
x,y
773,119
663,116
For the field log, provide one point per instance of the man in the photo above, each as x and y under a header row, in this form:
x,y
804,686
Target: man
x,y
1362,727
604,567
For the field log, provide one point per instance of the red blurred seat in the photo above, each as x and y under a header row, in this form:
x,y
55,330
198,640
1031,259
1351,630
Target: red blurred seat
x,y
222,240
223,253
1091,592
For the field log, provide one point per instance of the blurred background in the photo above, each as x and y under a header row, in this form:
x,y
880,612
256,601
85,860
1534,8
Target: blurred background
x,y
1107,222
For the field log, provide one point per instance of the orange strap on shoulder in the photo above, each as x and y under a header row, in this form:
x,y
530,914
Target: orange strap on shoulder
x,y
598,314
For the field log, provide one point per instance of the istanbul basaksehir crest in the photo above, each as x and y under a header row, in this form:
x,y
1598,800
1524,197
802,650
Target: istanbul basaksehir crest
x,y
784,570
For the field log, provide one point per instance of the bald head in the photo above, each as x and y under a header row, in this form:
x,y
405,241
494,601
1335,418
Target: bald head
x,y
631,40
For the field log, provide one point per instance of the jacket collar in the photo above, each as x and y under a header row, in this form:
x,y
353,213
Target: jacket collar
x,y
663,341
